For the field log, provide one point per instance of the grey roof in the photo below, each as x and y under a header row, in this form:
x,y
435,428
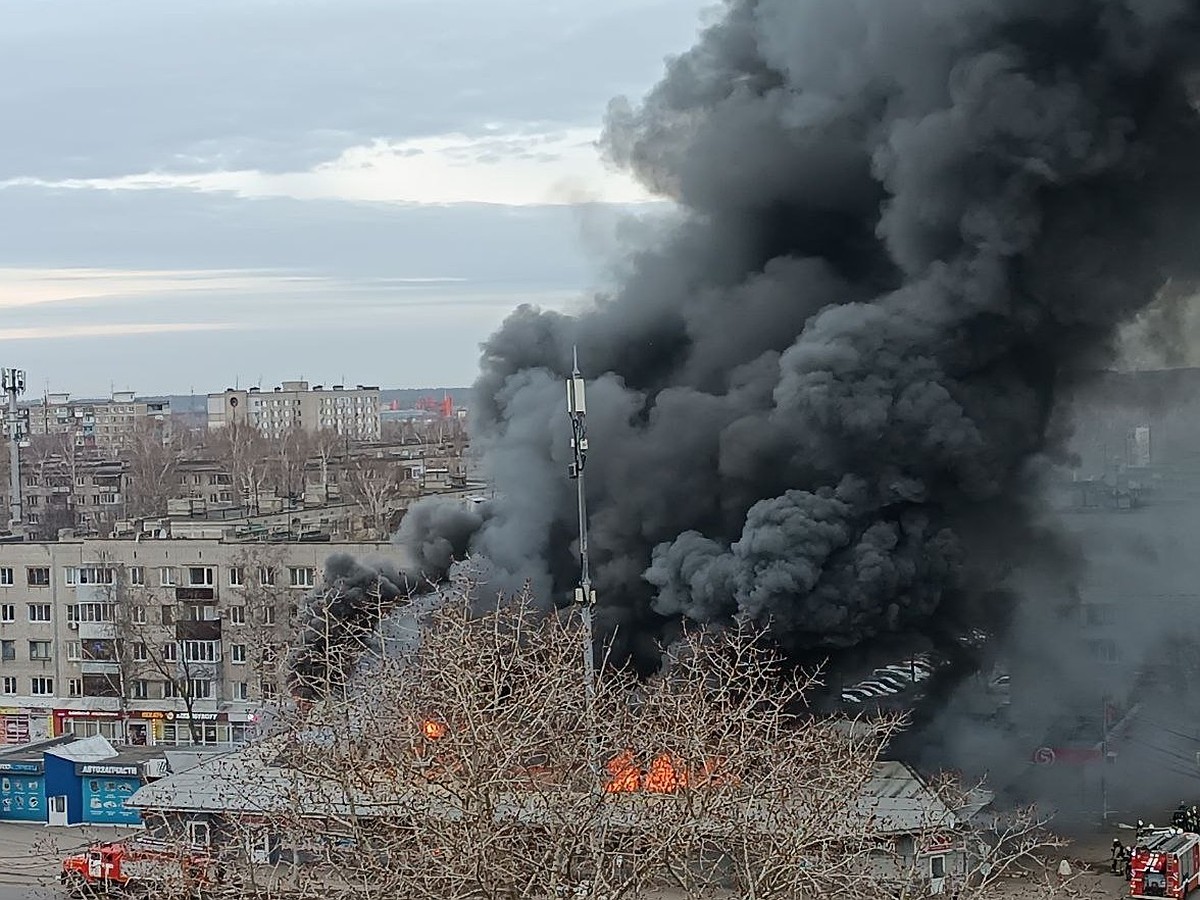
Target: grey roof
x,y
89,749
248,781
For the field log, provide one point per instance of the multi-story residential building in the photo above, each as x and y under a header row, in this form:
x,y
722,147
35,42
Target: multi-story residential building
x,y
156,641
106,424
81,491
351,413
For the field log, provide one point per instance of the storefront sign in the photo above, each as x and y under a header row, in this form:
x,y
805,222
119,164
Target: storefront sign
x,y
32,768
86,714
172,716
102,769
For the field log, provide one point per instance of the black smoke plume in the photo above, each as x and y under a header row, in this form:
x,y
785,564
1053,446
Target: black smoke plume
x,y
821,395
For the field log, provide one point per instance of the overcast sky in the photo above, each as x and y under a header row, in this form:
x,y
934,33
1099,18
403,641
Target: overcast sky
x,y
204,192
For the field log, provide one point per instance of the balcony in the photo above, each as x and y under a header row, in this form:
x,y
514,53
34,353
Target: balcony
x,y
205,630
95,630
184,594
100,667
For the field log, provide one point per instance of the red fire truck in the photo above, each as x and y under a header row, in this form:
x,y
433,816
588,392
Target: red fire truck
x,y
139,866
1165,863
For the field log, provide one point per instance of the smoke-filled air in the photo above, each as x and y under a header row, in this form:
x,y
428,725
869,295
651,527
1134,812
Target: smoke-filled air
x,y
821,397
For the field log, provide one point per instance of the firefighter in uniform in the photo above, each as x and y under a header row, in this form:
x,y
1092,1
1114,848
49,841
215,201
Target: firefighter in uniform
x,y
1179,819
1118,856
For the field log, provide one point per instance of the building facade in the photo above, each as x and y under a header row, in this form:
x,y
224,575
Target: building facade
x,y
150,642
99,424
352,413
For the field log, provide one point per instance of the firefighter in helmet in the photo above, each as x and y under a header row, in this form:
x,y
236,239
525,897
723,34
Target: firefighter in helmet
x,y
1118,856
1179,819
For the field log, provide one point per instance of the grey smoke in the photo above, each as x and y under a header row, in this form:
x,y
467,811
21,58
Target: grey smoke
x,y
821,399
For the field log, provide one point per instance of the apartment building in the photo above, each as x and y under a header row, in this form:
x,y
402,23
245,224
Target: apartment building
x,y
78,490
98,424
149,642
352,413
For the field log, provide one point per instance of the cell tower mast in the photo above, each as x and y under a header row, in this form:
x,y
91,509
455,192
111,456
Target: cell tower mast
x,y
584,595
14,384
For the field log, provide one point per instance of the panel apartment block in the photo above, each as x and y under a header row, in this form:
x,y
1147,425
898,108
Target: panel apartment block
x,y
121,638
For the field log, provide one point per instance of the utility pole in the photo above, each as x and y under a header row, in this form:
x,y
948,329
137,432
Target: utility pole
x,y
1104,763
584,595
14,384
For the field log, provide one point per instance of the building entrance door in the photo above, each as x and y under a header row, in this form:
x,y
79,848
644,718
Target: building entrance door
x,y
57,809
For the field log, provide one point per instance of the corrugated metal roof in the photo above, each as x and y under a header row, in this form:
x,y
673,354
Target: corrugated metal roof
x,y
247,781
89,749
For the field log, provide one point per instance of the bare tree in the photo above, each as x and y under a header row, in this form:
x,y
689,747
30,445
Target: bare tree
x,y
153,476
378,487
455,752
249,455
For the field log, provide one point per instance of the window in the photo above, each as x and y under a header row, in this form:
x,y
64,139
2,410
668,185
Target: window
x,y
170,690
74,687
201,651
168,615
237,576
38,576
197,833
1105,651
96,612
166,576
200,688
138,689
6,576
237,615
137,615
8,685
170,653
8,612
266,575
268,615
39,612
74,651
41,686
141,652
241,690
199,612
301,576
96,575
39,650
268,689
70,575
110,498
8,650
200,576
937,867
137,575
237,653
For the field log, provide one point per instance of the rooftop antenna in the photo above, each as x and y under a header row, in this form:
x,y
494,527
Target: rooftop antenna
x,y
14,384
584,595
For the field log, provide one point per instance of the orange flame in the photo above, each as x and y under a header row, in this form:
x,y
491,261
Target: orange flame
x,y
433,730
666,775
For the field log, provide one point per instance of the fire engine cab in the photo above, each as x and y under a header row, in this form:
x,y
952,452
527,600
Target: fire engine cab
x,y
138,866
1165,863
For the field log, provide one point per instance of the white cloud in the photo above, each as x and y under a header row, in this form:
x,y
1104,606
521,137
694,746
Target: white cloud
x,y
41,333
505,168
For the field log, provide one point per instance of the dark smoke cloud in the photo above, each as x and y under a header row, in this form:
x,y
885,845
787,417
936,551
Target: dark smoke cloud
x,y
337,623
818,398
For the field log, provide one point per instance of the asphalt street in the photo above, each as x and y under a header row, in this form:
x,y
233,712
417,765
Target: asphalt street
x,y
30,857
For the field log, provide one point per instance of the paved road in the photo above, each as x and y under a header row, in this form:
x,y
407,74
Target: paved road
x,y
30,856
